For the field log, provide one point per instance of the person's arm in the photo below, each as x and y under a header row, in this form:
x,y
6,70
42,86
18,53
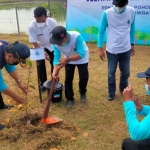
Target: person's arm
x,y
102,29
14,74
145,111
137,130
5,90
132,36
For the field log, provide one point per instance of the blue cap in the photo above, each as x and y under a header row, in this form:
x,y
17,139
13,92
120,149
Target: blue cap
x,y
19,50
145,74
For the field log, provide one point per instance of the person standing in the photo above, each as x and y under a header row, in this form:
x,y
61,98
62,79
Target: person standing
x,y
11,55
39,34
76,53
119,21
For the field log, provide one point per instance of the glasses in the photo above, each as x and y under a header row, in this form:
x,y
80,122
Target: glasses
x,y
21,61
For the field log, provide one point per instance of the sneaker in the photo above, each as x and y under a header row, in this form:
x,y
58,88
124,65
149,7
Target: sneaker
x,y
83,98
110,97
69,103
2,126
6,107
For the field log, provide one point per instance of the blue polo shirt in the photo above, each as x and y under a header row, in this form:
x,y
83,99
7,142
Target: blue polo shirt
x,y
3,63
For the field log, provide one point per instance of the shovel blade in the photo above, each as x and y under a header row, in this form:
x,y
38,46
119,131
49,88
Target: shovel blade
x,y
51,120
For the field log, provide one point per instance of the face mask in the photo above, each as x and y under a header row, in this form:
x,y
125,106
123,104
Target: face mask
x,y
120,9
147,90
41,25
64,44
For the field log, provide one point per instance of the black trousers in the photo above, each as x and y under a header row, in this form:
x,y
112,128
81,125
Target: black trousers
x,y
69,75
41,67
129,144
1,101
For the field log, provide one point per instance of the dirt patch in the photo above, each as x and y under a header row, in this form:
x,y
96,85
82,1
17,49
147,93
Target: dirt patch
x,y
48,136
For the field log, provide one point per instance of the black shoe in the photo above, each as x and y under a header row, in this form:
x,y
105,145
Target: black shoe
x,y
69,103
6,107
83,98
111,97
2,126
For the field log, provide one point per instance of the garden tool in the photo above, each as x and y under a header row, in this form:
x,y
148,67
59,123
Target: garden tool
x,y
45,118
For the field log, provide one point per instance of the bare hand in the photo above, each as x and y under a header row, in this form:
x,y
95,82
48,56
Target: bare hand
x,y
20,100
137,103
23,88
47,56
128,93
62,62
101,54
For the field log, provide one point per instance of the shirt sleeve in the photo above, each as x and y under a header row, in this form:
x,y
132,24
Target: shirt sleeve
x,y
57,55
132,32
3,85
138,130
102,28
145,111
80,47
32,35
10,68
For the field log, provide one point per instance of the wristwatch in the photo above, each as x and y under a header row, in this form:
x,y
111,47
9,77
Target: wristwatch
x,y
19,80
68,59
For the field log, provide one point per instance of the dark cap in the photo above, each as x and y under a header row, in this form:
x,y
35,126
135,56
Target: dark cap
x,y
120,3
58,34
19,50
145,74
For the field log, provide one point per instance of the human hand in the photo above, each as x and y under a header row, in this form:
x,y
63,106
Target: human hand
x,y
137,103
132,50
47,56
128,93
101,53
62,62
20,100
23,88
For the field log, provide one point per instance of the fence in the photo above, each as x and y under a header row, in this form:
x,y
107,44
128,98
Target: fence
x,y
17,20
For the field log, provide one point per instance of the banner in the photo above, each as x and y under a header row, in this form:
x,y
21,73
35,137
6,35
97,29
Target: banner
x,y
84,16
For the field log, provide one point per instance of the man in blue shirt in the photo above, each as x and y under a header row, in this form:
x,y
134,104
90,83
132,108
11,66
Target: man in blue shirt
x,y
139,130
11,55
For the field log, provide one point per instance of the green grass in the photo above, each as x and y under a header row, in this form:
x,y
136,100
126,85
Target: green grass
x,y
103,121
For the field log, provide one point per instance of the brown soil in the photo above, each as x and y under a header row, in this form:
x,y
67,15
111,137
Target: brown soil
x,y
49,136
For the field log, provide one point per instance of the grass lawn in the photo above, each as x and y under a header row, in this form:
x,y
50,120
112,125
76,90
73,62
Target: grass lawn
x,y
95,125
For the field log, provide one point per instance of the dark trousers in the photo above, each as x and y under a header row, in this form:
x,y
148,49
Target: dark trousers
x,y
83,79
1,101
41,67
129,144
124,65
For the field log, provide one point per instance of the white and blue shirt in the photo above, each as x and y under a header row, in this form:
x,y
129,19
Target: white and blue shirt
x,y
120,30
75,45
